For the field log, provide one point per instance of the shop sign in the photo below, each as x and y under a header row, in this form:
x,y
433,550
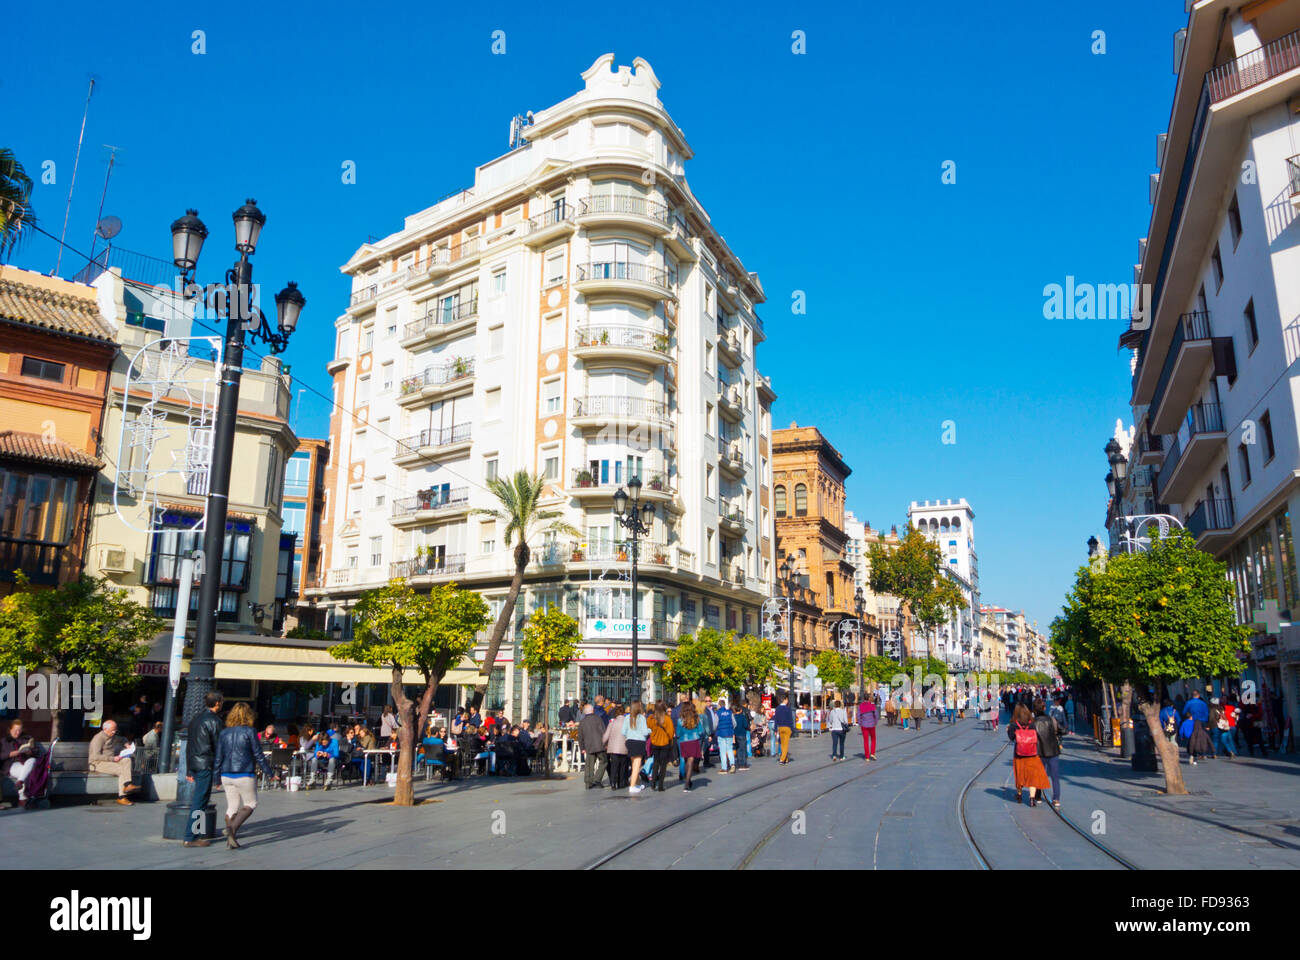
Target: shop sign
x,y
602,628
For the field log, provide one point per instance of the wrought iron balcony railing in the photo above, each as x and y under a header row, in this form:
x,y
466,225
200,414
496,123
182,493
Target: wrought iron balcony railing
x,y
432,499
443,316
619,270
436,438
614,406
459,369
1253,68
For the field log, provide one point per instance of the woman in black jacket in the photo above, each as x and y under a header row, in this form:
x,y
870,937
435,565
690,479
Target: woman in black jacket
x,y
238,757
1049,747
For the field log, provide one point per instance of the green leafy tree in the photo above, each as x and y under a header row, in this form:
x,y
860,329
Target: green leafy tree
x,y
520,497
756,664
84,627
1147,618
16,213
704,661
914,572
876,669
835,669
431,633
550,642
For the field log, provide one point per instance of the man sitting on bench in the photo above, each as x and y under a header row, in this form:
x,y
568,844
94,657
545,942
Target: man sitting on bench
x,y
105,757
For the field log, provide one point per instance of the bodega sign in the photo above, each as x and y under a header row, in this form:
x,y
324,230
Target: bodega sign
x,y
600,628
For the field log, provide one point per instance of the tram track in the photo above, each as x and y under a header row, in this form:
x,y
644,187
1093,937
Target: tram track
x,y
611,855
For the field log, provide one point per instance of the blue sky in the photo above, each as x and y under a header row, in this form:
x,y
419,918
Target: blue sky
x,y
823,171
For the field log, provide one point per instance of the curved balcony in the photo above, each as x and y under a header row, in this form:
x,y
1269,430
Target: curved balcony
x,y
731,518
602,411
730,402
429,505
619,342
429,445
730,348
584,486
638,213
440,322
681,241
363,300
613,279
731,460
557,222
438,382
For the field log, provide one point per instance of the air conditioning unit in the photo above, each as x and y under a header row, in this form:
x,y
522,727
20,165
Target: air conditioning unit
x,y
114,560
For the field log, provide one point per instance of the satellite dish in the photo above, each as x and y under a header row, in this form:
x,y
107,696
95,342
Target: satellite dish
x,y
108,228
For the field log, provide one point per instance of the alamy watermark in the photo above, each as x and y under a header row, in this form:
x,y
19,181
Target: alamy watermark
x,y
1098,301
51,691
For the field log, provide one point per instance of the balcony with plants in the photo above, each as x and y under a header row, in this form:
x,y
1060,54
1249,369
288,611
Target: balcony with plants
x,y
439,380
617,342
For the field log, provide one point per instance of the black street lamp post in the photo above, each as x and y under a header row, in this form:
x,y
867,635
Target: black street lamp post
x,y
232,301
787,587
638,519
859,604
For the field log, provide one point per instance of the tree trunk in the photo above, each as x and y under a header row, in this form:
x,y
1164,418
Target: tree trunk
x,y
1167,750
503,620
546,719
404,794
56,724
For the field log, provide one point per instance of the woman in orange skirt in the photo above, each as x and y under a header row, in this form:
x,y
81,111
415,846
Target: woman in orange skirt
x,y
1029,771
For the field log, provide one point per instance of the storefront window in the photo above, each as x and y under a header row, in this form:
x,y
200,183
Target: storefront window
x,y
613,683
495,698
1286,564
536,697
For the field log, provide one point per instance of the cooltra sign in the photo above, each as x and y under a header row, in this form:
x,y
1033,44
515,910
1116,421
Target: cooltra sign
x,y
599,628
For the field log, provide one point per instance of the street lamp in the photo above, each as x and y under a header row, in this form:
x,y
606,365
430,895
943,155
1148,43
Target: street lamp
x,y
1094,547
233,302
1110,483
787,587
638,518
859,604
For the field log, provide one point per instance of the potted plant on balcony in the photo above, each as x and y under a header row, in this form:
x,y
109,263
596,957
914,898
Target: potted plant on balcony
x,y
661,342
577,554
661,557
622,553
425,499
656,482
584,479
461,366
604,338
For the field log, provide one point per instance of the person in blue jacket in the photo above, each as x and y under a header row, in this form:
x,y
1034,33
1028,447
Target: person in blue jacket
x,y
784,720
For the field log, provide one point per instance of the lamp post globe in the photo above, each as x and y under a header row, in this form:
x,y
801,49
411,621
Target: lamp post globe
x,y
188,234
248,226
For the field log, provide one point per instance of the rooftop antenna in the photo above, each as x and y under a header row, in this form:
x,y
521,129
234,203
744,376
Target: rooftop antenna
x,y
100,219
68,209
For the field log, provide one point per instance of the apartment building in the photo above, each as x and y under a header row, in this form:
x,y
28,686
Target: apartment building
x,y
994,640
951,524
892,625
1213,395
302,509
55,354
576,314
1021,645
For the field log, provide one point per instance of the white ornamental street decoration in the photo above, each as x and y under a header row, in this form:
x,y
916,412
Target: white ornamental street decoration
x,y
170,433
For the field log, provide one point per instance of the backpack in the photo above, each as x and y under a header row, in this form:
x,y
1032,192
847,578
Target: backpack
x,y
1026,741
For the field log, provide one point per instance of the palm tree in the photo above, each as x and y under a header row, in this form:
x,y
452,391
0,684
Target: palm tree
x,y
16,212
520,496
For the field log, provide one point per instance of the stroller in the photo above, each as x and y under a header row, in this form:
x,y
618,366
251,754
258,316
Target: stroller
x,y
38,781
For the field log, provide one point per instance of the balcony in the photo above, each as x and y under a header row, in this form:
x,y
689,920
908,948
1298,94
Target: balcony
x,y
731,460
765,391
443,261
363,299
1256,67
638,213
1194,448
1151,448
556,222
438,382
599,552
441,322
1190,352
585,486
434,445
730,348
616,279
601,411
436,503
680,241
1211,522
1293,179
41,562
618,342
430,566
731,518
730,401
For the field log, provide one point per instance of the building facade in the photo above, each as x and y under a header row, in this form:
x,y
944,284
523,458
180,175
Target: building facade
x,y
1213,388
951,524
55,354
574,314
302,512
892,626
153,489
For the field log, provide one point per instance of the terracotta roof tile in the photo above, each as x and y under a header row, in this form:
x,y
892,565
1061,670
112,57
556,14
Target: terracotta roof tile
x,y
57,312
32,447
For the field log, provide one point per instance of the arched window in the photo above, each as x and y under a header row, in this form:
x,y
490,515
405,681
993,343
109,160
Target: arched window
x,y
800,500
778,496
956,523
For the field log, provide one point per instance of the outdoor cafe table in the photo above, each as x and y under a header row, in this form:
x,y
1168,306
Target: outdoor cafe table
x,y
392,760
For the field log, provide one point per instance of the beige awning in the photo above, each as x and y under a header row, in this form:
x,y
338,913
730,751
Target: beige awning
x,y
264,661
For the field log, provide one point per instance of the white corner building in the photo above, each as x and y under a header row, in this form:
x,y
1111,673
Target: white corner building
x,y
951,523
574,313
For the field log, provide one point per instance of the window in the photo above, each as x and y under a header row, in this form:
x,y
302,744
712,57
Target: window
x,y
778,497
499,282
492,403
555,267
1243,460
43,369
800,500
387,376
491,466
551,464
1216,262
376,551
1266,425
363,390
551,398
274,477
1252,329
1234,220
552,331
708,481
496,341
297,475
367,339
380,492
295,519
